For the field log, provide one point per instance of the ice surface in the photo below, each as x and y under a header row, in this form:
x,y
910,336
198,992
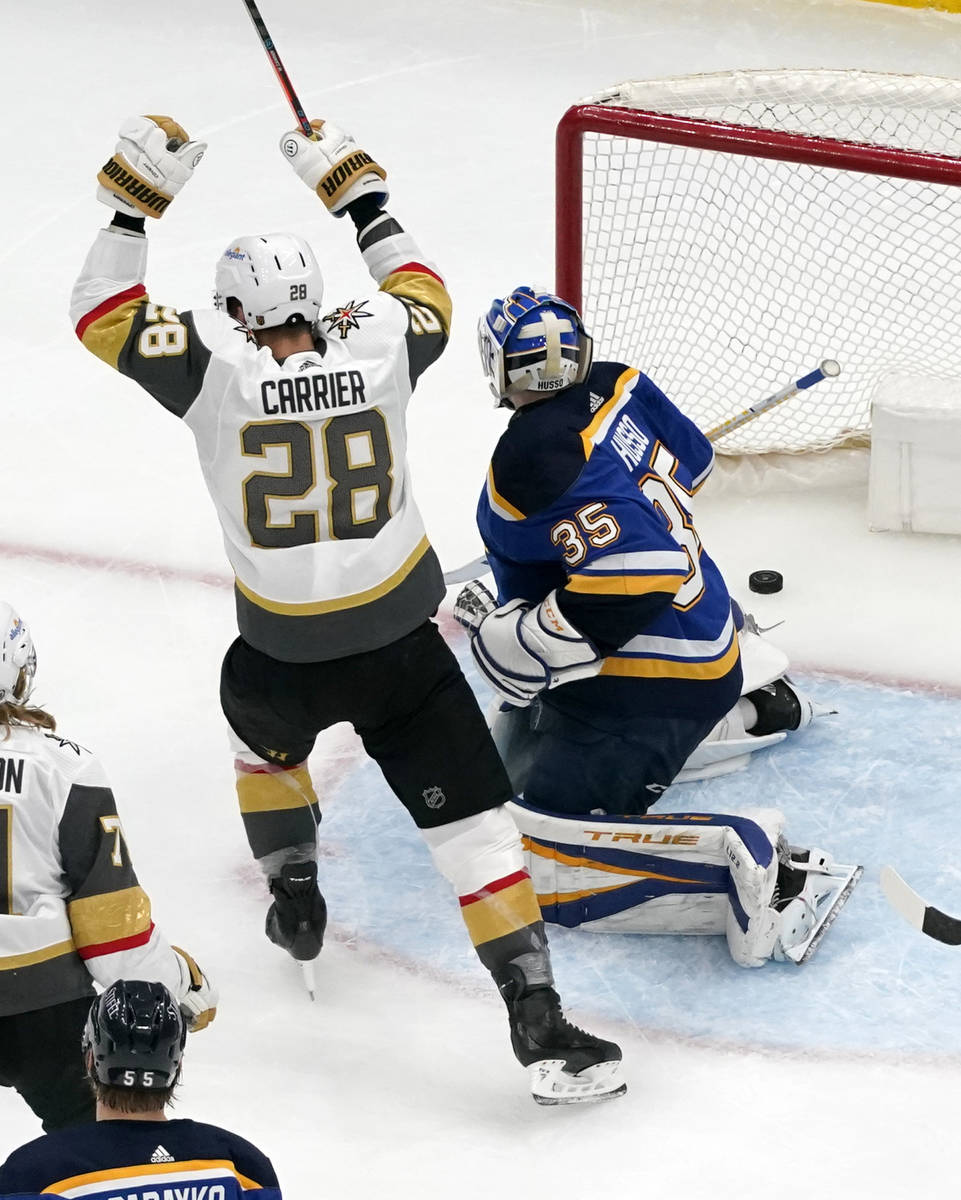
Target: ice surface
x,y
399,1079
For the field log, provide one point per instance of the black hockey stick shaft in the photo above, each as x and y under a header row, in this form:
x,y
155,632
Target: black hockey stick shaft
x,y
288,87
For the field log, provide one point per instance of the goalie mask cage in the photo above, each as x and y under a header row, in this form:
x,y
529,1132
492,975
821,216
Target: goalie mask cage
x,y
726,232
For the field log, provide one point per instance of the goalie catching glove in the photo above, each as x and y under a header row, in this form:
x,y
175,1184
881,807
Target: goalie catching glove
x,y
198,999
522,650
334,167
154,158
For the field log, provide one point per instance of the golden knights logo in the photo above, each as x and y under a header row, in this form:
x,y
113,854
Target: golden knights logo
x,y
347,317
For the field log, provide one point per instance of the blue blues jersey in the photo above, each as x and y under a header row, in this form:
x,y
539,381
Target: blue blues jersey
x,y
140,1160
588,492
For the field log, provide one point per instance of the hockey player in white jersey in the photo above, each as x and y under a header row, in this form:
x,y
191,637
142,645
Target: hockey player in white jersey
x,y
297,406
72,913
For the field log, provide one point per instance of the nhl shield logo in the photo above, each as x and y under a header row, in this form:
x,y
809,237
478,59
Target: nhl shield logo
x,y
434,797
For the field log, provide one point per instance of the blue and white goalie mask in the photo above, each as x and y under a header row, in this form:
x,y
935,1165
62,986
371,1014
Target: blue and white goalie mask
x,y
532,342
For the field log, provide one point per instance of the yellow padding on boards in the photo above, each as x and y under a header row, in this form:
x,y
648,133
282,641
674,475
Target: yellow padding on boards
x,y
274,791
951,6
501,913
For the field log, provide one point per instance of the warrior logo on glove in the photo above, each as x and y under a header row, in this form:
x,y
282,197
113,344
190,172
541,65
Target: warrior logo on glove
x,y
153,159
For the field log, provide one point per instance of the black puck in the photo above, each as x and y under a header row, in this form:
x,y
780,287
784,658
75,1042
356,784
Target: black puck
x,y
765,581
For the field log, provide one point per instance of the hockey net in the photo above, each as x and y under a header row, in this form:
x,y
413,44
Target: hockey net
x,y
726,232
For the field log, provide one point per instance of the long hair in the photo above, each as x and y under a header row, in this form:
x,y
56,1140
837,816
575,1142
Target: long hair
x,y
12,713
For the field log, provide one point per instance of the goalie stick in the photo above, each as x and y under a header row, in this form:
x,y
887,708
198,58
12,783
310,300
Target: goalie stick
x,y
828,369
930,920
283,77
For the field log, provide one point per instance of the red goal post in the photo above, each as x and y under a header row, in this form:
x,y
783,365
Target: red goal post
x,y
726,232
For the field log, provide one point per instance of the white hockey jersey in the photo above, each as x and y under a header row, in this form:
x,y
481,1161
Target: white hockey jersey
x,y
71,909
305,460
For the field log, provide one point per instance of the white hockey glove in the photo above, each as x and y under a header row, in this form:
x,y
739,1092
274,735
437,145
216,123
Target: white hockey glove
x,y
154,158
474,602
334,167
523,650
199,1000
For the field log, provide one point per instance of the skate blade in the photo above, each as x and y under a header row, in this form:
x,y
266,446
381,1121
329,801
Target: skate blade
x,y
551,1084
803,952
310,978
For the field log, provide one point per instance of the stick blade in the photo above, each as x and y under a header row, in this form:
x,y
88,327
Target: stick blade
x,y
924,917
903,899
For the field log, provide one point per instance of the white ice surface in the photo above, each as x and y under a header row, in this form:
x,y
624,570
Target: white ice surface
x,y
399,1080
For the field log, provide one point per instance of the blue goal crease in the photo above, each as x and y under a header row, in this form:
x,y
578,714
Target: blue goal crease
x,y
842,785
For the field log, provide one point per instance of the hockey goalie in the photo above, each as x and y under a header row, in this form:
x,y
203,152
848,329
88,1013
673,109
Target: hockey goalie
x,y
689,872
620,659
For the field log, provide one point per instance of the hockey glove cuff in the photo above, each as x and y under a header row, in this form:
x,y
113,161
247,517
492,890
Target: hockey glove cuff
x,y
334,167
198,1003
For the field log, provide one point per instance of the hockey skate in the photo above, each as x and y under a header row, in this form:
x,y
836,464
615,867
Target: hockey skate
x,y
566,1065
781,705
811,890
298,916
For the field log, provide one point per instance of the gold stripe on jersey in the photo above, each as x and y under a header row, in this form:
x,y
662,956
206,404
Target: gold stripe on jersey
x,y
312,608
275,791
422,288
107,335
624,585
498,503
13,962
204,1167
662,668
96,920
605,411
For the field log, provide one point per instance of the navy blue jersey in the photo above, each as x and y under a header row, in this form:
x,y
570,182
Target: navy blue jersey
x,y
588,493
140,1160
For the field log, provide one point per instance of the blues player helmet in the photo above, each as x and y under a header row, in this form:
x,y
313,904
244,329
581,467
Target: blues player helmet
x,y
532,341
274,277
135,1036
18,658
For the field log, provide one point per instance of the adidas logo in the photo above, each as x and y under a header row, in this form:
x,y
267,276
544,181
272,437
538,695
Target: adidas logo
x,y
161,1155
596,402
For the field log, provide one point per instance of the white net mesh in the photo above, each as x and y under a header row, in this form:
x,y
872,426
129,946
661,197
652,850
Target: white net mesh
x,y
726,276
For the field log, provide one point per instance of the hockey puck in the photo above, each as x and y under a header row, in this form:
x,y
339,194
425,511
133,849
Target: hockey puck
x,y
765,581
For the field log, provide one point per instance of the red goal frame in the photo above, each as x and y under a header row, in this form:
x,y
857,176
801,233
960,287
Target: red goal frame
x,y
640,124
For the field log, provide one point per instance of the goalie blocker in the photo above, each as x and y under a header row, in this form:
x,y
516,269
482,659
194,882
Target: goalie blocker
x,y
686,873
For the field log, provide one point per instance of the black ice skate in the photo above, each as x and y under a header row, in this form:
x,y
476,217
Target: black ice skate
x,y
298,916
781,705
566,1064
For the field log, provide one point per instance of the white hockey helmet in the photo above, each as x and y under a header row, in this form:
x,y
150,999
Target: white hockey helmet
x,y
18,659
274,276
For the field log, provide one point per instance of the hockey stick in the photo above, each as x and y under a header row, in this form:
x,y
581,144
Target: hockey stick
x,y
930,920
288,87
828,369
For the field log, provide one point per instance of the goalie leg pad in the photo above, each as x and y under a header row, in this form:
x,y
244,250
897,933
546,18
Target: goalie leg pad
x,y
681,873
